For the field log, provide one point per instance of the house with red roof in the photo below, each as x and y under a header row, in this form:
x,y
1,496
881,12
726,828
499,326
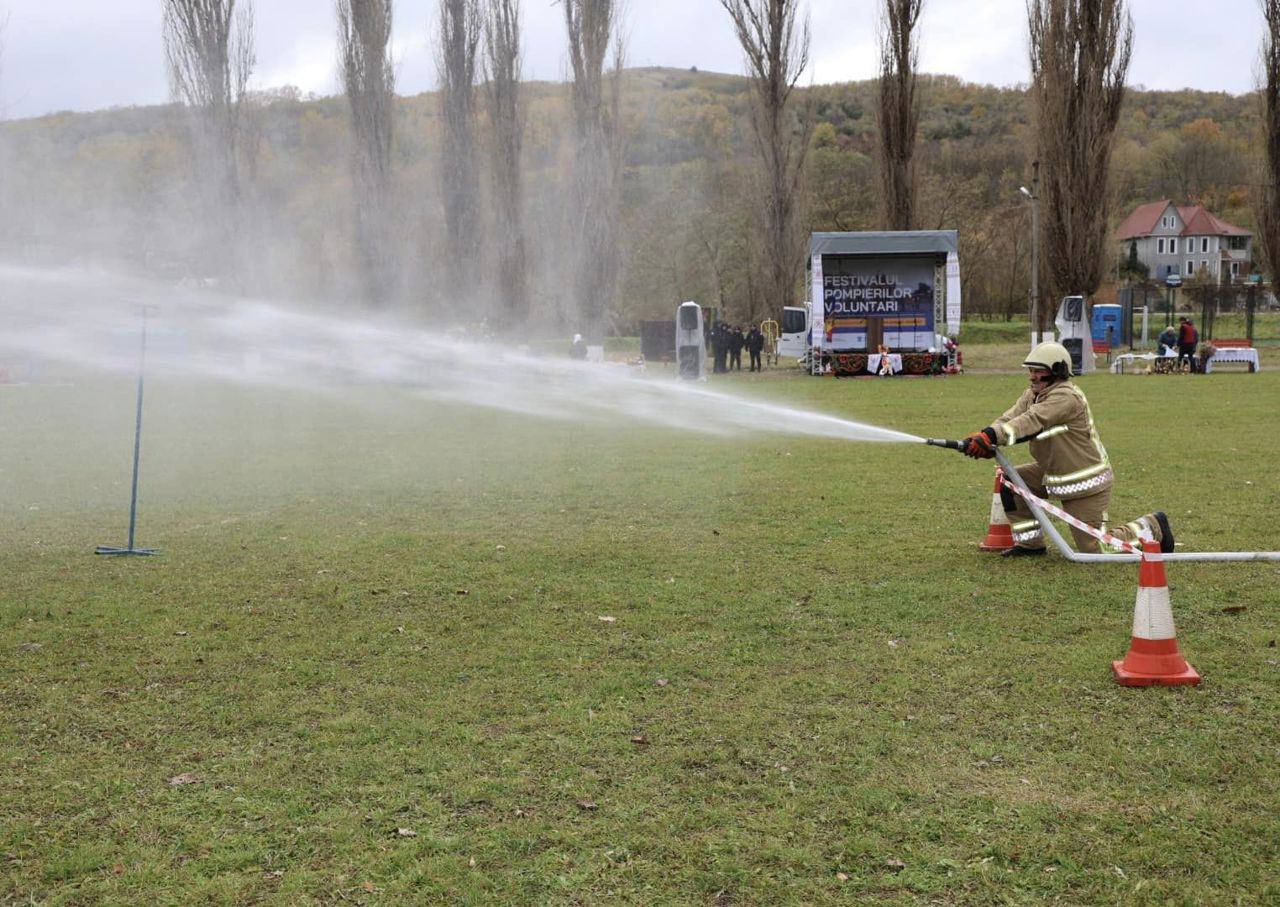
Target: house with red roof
x,y
1182,242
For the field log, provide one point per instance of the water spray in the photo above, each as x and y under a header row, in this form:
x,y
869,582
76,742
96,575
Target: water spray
x,y
130,550
244,341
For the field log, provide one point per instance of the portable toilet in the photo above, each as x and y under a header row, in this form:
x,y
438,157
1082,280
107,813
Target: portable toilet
x,y
1104,317
691,345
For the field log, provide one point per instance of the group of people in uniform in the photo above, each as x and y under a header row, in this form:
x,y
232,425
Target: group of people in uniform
x,y
727,343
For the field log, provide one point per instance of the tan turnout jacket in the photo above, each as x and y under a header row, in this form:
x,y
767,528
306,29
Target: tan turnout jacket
x,y
1067,445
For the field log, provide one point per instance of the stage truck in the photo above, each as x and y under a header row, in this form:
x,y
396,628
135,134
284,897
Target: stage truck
x,y
888,304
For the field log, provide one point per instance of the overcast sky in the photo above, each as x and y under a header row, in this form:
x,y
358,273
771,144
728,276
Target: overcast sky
x,y
92,54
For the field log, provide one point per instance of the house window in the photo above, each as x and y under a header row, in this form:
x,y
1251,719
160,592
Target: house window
x,y
1191,244
1237,243
1159,246
1235,269
1191,268
1204,244
1204,265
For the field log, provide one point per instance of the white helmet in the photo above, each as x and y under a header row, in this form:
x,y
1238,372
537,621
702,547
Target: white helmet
x,y
1052,357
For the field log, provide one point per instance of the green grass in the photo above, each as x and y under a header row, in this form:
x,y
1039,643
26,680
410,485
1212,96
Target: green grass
x,y
374,614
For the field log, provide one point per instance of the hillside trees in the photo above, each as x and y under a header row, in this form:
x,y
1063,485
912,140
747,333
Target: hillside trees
x,y
209,56
460,26
1079,56
368,79
107,187
597,161
1268,204
898,109
502,61
775,41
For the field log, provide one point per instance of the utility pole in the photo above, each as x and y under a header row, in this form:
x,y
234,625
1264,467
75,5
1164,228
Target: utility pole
x,y
1034,195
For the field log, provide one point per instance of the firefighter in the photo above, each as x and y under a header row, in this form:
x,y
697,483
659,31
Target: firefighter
x,y
1070,462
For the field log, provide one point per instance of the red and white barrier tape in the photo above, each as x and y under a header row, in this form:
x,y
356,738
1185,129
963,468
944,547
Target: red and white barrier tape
x,y
1105,537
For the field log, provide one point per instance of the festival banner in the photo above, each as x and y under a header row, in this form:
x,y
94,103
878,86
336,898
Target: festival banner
x,y
871,302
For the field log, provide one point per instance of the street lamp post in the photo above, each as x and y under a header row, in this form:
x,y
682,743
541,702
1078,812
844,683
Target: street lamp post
x,y
1034,195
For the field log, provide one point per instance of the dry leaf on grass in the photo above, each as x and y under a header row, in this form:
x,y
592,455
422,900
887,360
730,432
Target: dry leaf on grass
x,y
185,778
406,832
895,864
640,740
587,805
608,619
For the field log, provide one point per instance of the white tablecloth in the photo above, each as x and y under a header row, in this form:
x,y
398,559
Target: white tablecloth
x,y
1121,362
895,363
1234,354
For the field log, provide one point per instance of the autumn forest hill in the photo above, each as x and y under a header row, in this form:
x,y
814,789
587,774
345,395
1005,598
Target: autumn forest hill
x,y
115,184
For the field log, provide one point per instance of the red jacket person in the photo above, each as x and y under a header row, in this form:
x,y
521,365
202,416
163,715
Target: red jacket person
x,y
1070,463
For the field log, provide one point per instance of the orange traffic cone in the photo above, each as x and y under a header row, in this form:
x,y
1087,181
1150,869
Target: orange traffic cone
x,y
999,532
1153,659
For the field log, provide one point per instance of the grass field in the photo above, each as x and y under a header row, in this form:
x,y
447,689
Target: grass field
x,y
410,654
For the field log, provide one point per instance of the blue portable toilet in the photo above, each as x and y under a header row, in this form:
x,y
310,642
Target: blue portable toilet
x,y
1107,316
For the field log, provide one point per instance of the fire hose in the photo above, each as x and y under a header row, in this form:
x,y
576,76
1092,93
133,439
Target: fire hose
x,y
1129,553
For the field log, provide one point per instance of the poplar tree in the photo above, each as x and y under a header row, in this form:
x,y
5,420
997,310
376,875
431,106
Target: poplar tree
x,y
1268,200
368,79
899,113
1080,53
459,171
502,96
597,152
775,42
209,56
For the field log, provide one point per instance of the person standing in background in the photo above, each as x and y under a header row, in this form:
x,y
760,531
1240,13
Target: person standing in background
x,y
755,345
1188,337
736,343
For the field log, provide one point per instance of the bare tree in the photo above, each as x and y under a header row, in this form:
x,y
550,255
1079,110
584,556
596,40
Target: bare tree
x,y
592,32
1268,203
1079,56
502,94
776,47
209,56
460,26
364,35
899,109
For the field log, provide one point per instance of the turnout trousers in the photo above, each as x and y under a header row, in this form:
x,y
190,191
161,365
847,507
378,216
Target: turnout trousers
x,y
1090,509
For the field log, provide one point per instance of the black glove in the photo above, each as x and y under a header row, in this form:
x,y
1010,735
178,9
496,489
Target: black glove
x,y
981,445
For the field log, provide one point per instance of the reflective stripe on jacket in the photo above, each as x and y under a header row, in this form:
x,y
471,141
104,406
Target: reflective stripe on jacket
x,y
1067,445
